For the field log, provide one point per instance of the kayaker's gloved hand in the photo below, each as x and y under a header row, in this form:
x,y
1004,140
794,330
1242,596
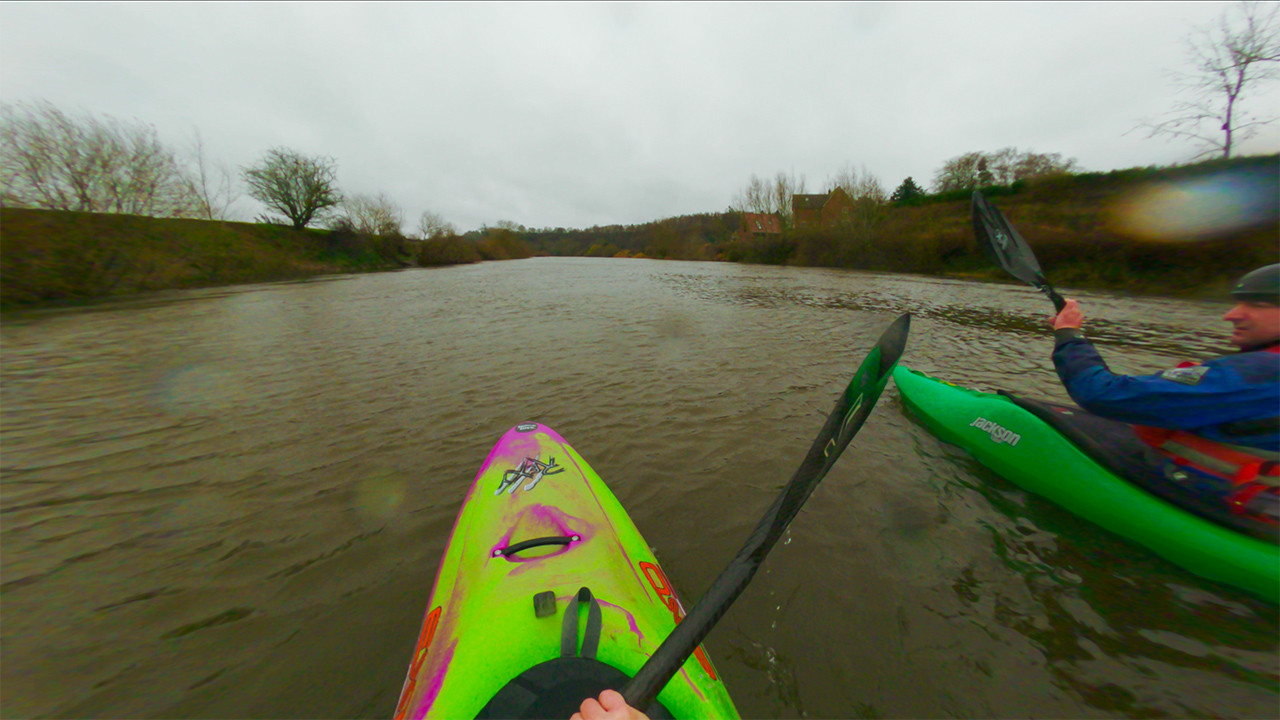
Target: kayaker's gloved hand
x,y
1066,324
611,706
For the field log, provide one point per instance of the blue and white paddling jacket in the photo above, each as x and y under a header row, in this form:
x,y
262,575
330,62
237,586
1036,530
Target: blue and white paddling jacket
x,y
1233,399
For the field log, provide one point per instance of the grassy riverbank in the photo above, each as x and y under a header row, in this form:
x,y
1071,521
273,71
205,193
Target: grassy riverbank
x,y
1076,224
49,256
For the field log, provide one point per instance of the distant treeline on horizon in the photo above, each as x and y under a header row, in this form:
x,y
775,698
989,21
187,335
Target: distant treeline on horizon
x,y
89,234
1073,221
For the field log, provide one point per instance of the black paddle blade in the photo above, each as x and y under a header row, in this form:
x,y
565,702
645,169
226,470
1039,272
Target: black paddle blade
x,y
1007,248
853,406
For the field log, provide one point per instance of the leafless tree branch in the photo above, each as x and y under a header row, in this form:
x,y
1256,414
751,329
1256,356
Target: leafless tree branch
x,y
298,187
431,226
1231,59
56,161
372,215
212,184
765,196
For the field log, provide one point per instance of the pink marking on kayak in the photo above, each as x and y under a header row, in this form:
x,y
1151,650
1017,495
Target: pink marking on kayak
x,y
437,682
564,523
635,628
689,680
631,621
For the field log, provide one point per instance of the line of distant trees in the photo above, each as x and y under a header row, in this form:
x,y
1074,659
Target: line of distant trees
x,y
54,160
716,235
1062,210
1002,167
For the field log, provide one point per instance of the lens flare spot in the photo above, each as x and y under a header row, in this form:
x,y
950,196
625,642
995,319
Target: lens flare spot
x,y
1202,208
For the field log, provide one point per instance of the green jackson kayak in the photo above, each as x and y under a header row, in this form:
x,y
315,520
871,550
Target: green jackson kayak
x,y
546,595
1025,443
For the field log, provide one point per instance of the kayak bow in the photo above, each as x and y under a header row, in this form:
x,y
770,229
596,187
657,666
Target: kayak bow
x,y
546,594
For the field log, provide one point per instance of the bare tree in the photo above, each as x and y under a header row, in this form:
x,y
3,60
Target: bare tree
x,y
786,186
1008,165
212,184
1002,167
754,198
1030,165
56,161
860,184
958,173
372,215
431,226
1231,58
769,196
298,187
870,201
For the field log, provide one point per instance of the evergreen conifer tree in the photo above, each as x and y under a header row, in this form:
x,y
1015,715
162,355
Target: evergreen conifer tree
x,y
906,192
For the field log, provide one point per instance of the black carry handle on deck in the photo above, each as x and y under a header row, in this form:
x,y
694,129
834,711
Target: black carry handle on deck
x,y
536,542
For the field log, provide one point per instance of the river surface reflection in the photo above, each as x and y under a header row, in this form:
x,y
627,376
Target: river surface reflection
x,y
232,502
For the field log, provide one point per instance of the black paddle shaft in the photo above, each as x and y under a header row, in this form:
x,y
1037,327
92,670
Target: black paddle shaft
x,y
1004,245
851,411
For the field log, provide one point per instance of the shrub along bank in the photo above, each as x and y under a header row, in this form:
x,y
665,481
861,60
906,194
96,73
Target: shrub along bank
x,y
48,255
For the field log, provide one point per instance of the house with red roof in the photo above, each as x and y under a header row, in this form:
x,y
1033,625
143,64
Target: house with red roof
x,y
821,211
758,225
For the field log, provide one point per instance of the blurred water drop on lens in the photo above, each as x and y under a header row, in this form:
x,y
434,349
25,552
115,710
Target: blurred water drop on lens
x,y
198,390
1202,208
378,501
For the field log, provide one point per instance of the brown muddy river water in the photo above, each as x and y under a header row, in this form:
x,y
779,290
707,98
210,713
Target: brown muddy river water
x,y
231,503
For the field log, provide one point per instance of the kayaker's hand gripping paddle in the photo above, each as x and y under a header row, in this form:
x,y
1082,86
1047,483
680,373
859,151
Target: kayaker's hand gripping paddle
x,y
851,411
1008,249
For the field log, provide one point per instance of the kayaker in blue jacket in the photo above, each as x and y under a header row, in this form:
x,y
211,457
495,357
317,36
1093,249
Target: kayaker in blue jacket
x,y
1216,420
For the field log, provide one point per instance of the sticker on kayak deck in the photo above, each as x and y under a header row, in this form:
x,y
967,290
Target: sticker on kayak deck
x,y
1186,375
530,470
667,596
419,654
526,427
997,433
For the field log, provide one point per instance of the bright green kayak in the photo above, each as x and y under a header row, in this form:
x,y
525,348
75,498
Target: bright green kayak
x,y
1020,445
546,595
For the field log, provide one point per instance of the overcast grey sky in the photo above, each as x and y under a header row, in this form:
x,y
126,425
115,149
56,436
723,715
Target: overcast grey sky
x,y
582,114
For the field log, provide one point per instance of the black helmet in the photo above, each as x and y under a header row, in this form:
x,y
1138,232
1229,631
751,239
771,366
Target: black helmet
x,y
1262,284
